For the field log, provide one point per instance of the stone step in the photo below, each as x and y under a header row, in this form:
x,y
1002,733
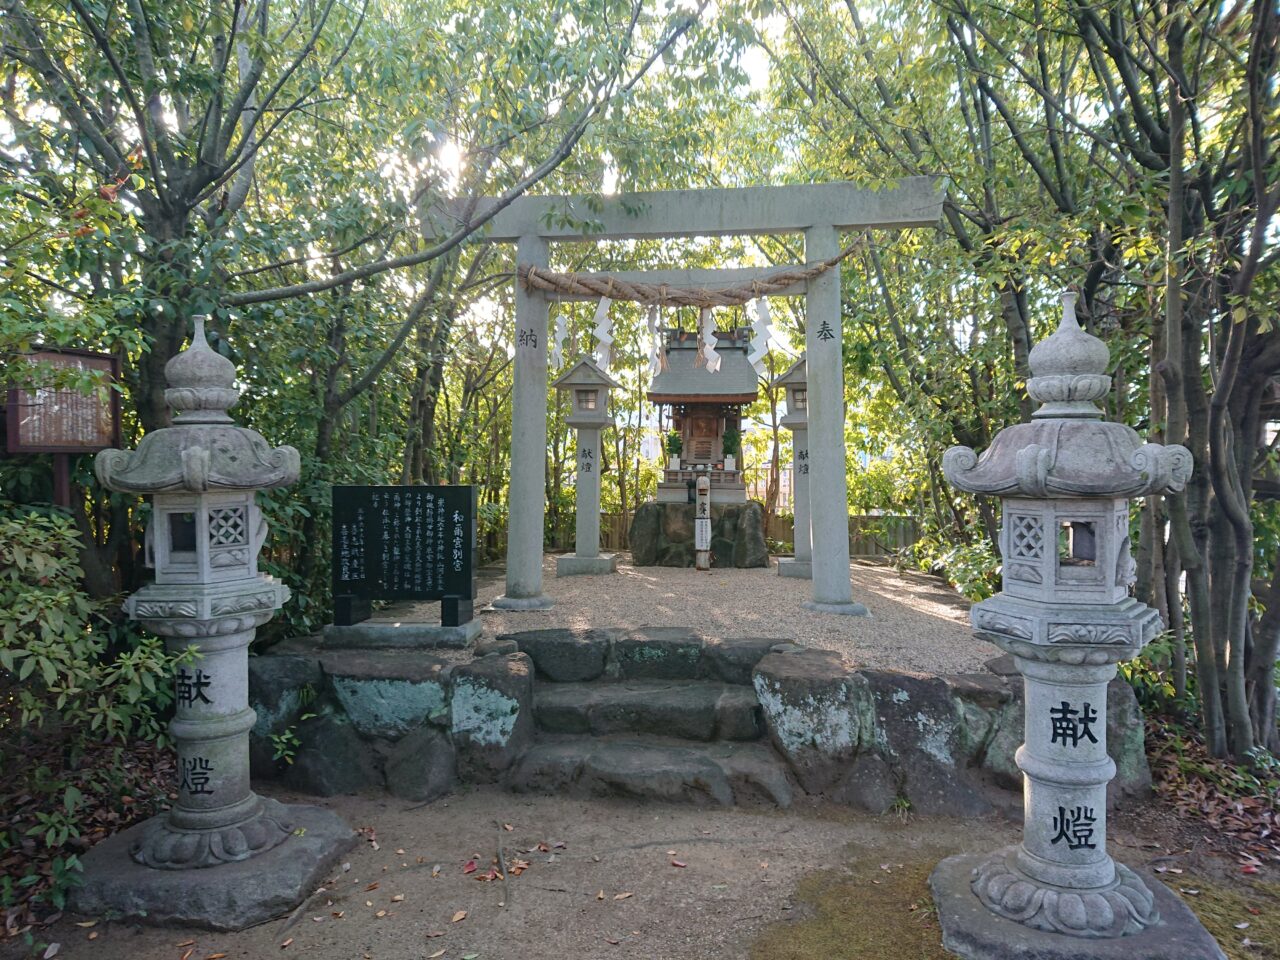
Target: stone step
x,y
687,709
723,773
567,655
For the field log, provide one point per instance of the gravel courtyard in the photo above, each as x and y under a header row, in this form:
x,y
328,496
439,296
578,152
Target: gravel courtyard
x,y
917,622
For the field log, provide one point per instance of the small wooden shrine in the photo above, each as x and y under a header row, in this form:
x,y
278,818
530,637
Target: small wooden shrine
x,y
701,406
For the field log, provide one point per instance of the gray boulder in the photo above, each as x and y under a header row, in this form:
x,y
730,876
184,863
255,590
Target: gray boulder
x,y
749,547
387,693
818,713
491,714
646,534
421,766
565,655
331,760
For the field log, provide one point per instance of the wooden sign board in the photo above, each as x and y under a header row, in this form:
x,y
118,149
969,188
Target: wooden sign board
x,y
58,420
404,543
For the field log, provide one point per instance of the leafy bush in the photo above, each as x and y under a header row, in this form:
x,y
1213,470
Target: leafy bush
x,y
75,689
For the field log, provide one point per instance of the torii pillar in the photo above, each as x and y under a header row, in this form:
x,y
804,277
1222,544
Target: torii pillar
x,y
821,211
527,489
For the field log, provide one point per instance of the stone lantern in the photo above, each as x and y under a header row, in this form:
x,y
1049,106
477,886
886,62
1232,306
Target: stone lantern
x,y
588,388
1065,480
797,421
208,597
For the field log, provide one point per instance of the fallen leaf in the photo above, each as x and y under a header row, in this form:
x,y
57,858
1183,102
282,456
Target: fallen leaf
x,y
92,923
611,940
93,934
678,863
507,827
286,943
1243,926
187,955
185,943
438,953
380,914
600,895
397,898
470,956
368,903
372,886
1250,868
621,896
469,867
215,956
400,853
459,916
435,933
435,871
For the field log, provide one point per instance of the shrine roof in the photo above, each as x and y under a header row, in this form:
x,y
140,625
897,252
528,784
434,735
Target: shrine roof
x,y
683,381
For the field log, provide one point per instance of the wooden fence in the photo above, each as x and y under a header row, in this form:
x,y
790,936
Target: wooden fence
x,y
869,536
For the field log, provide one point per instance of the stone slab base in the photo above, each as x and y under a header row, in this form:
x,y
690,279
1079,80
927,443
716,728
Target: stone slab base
x,y
539,602
383,634
574,566
227,897
850,609
971,931
799,569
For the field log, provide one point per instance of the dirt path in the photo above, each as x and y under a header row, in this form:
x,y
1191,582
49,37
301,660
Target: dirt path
x,y
735,897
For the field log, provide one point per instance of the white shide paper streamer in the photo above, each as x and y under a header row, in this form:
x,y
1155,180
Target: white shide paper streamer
x,y
761,334
708,340
603,333
558,340
655,348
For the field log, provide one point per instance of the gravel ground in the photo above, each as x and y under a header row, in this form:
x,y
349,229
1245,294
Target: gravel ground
x,y
606,886
917,622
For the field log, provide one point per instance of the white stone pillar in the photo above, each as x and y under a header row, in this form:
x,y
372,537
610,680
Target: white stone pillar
x,y
800,566
828,505
586,543
527,492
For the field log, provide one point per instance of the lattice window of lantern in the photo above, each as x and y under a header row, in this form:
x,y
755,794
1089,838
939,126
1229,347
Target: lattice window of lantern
x,y
226,526
1027,542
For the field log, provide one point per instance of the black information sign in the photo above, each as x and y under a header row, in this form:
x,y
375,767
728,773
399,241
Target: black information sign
x,y
404,543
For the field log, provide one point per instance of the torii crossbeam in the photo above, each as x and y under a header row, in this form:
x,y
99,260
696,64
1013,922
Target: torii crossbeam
x,y
820,212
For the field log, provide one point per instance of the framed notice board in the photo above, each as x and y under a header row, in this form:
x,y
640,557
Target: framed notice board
x,y
65,420
404,543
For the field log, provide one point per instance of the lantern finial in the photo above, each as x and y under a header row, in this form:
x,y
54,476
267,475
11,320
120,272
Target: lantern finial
x,y
1069,369
202,383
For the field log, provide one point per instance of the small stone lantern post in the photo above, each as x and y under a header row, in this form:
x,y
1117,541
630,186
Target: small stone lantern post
x,y
1065,480
797,421
588,388
203,540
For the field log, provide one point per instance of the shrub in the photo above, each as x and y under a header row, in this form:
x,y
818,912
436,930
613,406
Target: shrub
x,y
75,690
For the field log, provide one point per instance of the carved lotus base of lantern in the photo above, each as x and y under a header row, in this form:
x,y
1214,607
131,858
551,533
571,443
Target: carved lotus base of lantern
x,y
973,930
203,610
1066,633
168,846
1117,909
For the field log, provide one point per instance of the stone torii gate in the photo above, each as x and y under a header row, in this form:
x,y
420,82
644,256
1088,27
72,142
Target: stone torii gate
x,y
820,212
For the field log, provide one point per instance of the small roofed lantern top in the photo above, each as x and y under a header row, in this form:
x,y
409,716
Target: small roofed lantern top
x,y
1068,450
203,450
795,380
683,379
588,387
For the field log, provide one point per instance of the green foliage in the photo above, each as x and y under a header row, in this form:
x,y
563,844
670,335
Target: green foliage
x,y
62,660
973,567
674,443
732,442
74,689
